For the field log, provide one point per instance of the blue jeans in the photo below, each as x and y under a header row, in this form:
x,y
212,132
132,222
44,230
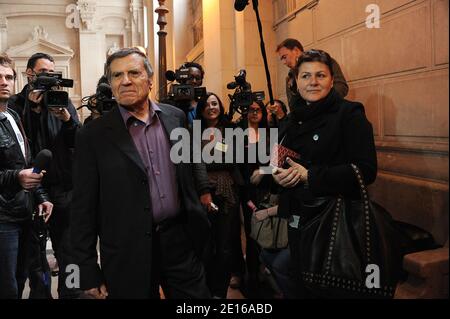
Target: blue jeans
x,y
9,253
278,262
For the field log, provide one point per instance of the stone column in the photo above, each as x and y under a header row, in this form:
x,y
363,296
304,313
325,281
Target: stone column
x,y
92,57
137,23
3,33
219,40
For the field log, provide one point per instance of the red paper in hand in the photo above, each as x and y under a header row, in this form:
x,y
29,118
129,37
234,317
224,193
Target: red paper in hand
x,y
280,153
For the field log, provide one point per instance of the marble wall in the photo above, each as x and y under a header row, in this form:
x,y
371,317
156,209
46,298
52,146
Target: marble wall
x,y
399,71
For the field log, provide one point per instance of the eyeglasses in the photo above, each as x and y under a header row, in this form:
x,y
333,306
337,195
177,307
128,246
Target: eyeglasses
x,y
254,111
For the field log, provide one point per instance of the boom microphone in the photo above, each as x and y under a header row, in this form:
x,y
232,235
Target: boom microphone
x,y
239,5
42,161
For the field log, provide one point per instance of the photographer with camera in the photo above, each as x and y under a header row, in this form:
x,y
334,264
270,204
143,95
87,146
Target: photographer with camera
x,y
188,91
20,189
243,97
50,122
101,102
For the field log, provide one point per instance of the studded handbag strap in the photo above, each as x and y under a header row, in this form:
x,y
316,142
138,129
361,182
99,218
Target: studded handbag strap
x,y
337,215
366,205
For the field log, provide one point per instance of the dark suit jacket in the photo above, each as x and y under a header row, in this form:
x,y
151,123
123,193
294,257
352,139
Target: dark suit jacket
x,y
111,201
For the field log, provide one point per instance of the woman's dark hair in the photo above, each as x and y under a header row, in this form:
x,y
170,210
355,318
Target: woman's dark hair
x,y
201,105
263,123
315,56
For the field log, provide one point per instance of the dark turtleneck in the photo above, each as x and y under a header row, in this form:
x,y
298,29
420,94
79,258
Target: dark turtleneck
x,y
305,112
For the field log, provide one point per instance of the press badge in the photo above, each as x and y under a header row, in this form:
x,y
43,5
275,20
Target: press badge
x,y
221,147
294,221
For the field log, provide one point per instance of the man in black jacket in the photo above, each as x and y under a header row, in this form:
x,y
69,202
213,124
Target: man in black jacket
x,y
19,188
130,195
53,129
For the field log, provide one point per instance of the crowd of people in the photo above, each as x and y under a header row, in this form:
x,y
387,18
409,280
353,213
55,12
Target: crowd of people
x,y
135,222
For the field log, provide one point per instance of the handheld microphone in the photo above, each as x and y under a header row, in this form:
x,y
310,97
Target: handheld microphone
x,y
239,5
42,161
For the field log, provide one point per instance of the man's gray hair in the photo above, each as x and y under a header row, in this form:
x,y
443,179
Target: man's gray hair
x,y
126,52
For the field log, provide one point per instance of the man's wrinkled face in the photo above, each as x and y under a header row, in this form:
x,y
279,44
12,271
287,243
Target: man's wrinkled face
x,y
6,83
130,82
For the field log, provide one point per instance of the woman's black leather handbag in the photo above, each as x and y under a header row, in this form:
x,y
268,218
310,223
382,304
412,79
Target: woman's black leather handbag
x,y
350,249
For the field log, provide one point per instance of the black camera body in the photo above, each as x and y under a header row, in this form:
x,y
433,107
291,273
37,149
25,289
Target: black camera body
x,y
183,92
47,82
243,96
102,101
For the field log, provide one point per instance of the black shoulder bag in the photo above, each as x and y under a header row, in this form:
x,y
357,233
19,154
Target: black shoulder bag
x,y
350,249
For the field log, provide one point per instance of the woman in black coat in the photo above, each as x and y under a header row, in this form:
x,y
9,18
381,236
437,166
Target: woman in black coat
x,y
329,133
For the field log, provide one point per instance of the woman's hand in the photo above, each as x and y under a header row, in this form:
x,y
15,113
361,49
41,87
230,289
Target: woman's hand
x,y
291,176
262,214
256,177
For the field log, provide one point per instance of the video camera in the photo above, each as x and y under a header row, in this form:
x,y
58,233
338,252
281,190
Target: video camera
x,y
102,101
46,82
243,96
183,92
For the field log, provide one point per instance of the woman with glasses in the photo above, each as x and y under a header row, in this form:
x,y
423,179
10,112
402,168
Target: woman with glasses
x,y
255,191
224,179
330,133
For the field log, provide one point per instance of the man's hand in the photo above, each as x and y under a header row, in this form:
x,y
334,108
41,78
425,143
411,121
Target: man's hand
x,y
29,180
291,176
35,96
45,209
97,293
276,110
60,112
206,200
